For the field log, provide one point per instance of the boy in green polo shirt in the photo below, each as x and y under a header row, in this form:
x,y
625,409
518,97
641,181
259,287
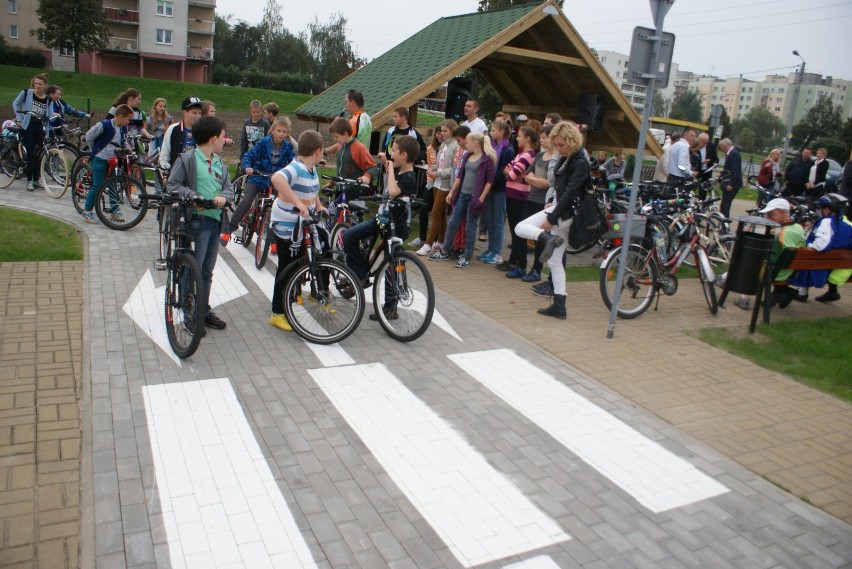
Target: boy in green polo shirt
x,y
202,174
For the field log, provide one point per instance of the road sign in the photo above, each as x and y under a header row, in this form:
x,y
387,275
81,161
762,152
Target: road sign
x,y
655,8
641,51
716,111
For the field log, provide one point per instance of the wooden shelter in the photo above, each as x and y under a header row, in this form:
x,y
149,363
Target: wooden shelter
x,y
530,54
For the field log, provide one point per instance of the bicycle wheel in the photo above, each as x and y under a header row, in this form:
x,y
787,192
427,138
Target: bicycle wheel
x,y
639,286
264,239
705,270
55,173
719,252
403,296
81,181
166,221
313,304
8,167
121,202
239,185
184,321
336,239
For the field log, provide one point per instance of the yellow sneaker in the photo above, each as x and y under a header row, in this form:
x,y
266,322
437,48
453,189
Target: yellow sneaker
x,y
280,322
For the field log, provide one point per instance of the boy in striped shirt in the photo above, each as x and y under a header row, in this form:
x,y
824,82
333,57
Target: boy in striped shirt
x,y
298,188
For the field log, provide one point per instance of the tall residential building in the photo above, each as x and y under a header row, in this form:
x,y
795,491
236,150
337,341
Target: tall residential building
x,y
616,65
162,39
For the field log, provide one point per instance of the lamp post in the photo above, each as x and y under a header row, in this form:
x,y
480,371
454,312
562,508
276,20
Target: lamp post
x,y
794,101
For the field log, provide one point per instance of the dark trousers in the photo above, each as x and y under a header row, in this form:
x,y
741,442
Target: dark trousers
x,y
32,138
285,257
515,213
530,209
352,246
245,204
727,200
793,189
426,213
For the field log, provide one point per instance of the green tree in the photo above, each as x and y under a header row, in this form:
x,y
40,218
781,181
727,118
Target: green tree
x,y
286,53
77,25
845,136
822,120
766,129
333,55
272,24
687,107
725,121
660,104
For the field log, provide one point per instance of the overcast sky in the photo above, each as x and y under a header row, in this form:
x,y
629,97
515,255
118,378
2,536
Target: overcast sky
x,y
725,37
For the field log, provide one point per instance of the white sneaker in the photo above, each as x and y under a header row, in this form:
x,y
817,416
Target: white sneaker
x,y
416,242
426,249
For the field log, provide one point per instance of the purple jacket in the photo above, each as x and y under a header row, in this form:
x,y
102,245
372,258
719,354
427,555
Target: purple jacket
x,y
484,175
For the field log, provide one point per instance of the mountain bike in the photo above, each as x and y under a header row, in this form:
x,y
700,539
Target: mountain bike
x,y
183,314
13,157
323,299
53,167
646,275
405,301
344,211
122,201
257,219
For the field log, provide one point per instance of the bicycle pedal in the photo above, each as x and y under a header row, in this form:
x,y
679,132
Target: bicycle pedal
x,y
160,264
237,239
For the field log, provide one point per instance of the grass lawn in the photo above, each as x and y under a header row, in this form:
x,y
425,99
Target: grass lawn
x,y
26,236
812,352
103,90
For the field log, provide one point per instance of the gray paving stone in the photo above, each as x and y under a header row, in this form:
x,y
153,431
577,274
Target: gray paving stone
x,y
140,548
108,538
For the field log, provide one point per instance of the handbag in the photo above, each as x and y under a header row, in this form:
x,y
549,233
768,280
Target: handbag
x,y
587,226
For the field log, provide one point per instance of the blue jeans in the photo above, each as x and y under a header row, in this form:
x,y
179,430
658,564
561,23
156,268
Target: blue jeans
x,y
461,211
496,207
99,170
205,234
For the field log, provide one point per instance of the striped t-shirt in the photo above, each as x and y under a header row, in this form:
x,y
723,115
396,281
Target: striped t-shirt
x,y
305,184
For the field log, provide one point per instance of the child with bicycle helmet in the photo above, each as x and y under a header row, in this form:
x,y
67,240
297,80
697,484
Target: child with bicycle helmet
x,y
298,187
831,232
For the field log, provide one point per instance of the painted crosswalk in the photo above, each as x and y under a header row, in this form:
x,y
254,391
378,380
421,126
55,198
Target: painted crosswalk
x,y
654,476
477,511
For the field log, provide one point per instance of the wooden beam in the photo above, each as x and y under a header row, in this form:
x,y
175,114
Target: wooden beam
x,y
566,112
540,55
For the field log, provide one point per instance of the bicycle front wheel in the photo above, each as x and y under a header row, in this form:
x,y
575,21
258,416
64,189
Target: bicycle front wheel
x,y
705,270
121,203
184,320
639,285
8,166
167,215
403,296
336,239
55,173
81,181
261,249
314,304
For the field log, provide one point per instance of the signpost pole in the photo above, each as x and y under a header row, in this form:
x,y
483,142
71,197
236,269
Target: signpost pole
x,y
659,9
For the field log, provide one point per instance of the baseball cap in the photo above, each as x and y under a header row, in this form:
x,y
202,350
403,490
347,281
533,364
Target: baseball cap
x,y
190,102
777,203
521,118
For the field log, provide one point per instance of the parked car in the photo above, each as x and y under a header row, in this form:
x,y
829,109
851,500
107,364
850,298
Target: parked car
x,y
834,171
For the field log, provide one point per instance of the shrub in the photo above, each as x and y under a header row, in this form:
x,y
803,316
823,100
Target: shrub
x,y
23,57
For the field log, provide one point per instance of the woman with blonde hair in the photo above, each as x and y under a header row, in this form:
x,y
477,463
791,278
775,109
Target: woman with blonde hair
x,y
769,170
549,228
468,194
441,174
157,123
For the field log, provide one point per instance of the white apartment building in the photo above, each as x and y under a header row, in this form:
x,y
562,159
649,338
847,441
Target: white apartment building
x,y
162,39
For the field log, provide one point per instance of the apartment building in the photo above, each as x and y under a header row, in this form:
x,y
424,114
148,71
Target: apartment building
x,y
161,39
616,65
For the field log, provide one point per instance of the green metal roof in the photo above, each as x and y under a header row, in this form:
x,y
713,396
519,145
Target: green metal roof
x,y
396,72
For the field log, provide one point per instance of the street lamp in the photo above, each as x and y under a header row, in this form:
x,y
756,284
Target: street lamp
x,y
794,101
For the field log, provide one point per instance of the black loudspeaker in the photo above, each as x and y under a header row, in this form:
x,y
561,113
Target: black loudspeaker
x,y
375,142
590,111
459,90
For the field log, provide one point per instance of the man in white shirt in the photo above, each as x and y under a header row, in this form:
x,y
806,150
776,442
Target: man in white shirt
x,y
472,121
679,156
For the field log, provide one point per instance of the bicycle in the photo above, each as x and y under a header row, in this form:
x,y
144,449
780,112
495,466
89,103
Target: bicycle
x,y
323,299
344,211
122,201
646,275
184,320
405,304
50,154
257,219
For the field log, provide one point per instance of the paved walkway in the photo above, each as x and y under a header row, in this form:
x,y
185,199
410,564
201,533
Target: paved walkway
x,y
791,435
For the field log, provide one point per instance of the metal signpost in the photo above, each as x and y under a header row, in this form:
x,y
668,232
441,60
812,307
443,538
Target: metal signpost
x,y
652,69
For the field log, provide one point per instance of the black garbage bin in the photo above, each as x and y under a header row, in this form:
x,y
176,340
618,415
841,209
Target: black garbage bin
x,y
749,261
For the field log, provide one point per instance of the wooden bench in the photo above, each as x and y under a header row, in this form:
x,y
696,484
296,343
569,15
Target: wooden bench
x,y
798,260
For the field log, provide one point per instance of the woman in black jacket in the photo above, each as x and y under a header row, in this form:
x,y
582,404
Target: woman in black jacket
x,y
550,227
